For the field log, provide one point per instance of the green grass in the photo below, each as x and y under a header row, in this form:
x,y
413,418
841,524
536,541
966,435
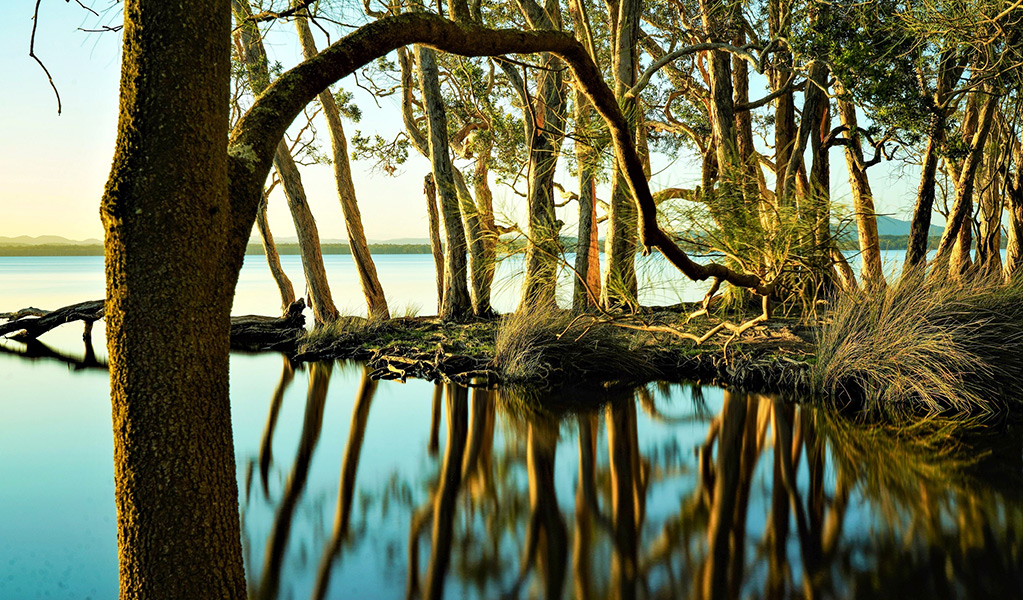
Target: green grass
x,y
936,347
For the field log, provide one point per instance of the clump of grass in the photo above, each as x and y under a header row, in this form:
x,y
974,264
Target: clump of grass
x,y
925,345
548,346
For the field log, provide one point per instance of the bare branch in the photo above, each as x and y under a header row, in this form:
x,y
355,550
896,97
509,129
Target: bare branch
x,y
32,53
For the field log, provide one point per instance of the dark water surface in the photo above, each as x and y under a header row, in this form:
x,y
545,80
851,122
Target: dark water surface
x,y
358,489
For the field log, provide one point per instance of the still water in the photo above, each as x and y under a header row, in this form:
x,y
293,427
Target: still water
x,y
666,491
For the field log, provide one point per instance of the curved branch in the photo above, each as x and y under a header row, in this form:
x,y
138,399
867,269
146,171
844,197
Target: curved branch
x,y
254,137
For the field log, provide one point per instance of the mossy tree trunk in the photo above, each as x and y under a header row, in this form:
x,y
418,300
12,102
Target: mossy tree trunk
x,y
544,118
165,210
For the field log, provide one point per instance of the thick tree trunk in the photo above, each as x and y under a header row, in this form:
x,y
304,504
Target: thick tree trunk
x,y
273,259
871,271
456,303
291,180
165,211
376,302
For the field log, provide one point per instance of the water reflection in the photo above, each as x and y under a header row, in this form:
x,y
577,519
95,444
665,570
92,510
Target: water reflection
x,y
662,492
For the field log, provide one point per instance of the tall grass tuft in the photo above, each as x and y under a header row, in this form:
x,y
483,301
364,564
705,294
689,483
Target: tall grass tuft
x,y
925,346
549,346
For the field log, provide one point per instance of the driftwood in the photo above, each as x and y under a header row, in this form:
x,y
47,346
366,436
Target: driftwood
x,y
32,323
250,332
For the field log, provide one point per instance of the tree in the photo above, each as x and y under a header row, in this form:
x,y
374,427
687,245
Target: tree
x,y
178,209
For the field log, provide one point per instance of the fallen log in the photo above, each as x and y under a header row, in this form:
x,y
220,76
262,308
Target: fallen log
x,y
31,327
249,332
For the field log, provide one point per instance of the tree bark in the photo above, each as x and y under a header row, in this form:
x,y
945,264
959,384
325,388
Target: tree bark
x,y
949,72
258,72
430,190
620,284
965,184
871,271
273,260
477,219
165,211
376,302
587,288
456,303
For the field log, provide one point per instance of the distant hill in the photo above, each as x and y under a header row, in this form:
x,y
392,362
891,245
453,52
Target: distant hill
x,y
890,226
46,240
338,241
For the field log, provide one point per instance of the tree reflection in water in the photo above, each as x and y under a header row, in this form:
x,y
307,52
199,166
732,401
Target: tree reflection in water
x,y
775,500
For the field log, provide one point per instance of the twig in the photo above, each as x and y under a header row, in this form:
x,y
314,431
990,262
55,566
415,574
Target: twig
x,y
32,53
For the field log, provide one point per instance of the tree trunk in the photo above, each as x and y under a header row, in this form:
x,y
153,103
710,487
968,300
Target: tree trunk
x,y
780,21
273,259
989,236
481,270
323,307
949,72
430,190
291,180
456,303
871,271
962,206
587,289
376,302
165,211
620,286
477,219
916,247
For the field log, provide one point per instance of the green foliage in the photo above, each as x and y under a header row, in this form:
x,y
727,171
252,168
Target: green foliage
x,y
925,346
870,50
387,155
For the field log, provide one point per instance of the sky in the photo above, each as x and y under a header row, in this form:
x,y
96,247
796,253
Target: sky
x,y
53,168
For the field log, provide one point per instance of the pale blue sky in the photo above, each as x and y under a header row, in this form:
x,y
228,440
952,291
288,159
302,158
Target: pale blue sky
x,y
53,167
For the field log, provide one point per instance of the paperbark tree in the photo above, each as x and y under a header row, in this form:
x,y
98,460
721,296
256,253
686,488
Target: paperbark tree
x,y
376,302
456,303
258,71
620,285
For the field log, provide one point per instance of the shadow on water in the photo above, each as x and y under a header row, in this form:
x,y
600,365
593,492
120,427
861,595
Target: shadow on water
x,y
661,492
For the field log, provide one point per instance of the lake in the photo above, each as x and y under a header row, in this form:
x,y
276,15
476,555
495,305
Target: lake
x,y
665,491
